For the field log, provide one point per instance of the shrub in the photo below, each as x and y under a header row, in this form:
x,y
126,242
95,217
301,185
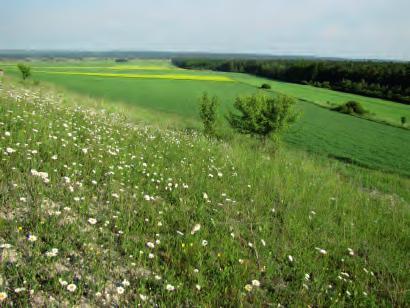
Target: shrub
x,y
121,60
207,113
261,116
25,71
403,120
351,107
265,86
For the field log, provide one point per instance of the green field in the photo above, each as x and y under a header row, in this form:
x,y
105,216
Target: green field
x,y
97,210
319,130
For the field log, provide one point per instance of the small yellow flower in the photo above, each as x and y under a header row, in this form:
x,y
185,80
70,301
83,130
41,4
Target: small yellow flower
x,y
248,287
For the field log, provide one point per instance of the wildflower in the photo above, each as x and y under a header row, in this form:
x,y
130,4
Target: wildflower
x,y
3,296
321,251
150,245
204,243
54,157
307,277
10,150
71,287
18,290
147,197
7,134
205,195
5,246
143,297
196,228
170,287
351,252
32,238
85,151
256,283
125,283
120,290
263,242
198,287
62,282
42,175
92,221
52,253
248,287
290,258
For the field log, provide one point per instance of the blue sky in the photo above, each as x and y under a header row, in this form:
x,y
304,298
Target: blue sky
x,y
347,28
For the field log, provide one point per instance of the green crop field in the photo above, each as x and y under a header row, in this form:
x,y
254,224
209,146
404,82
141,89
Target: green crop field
x,y
156,85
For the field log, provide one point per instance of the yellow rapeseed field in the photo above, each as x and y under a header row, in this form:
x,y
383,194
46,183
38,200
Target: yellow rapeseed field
x,y
151,76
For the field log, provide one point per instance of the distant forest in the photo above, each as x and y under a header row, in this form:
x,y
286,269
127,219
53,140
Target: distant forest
x,y
387,80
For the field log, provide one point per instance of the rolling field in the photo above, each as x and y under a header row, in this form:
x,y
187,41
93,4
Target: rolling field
x,y
144,84
379,109
96,210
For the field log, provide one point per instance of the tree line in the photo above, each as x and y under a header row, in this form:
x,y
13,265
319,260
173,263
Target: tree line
x,y
387,80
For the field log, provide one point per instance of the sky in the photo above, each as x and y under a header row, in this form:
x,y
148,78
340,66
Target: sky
x,y
378,29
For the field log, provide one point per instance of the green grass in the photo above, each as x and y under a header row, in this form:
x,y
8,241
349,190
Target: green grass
x,y
379,109
322,208
351,139
319,130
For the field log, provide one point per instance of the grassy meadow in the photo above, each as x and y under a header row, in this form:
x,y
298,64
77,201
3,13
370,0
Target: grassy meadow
x,y
156,85
100,209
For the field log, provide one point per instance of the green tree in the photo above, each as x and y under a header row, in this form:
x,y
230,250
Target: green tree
x,y
25,71
261,116
208,113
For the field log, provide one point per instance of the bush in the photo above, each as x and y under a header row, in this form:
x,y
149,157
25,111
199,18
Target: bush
x,y
403,120
351,107
261,116
207,113
25,71
265,86
121,60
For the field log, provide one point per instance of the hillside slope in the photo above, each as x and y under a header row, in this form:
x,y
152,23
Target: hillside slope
x,y
99,210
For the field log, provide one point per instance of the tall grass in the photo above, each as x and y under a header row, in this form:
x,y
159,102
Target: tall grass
x,y
99,210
